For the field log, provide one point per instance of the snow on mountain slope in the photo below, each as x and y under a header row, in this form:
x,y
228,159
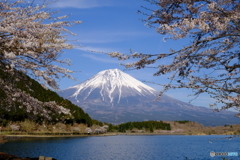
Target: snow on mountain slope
x,y
115,97
112,85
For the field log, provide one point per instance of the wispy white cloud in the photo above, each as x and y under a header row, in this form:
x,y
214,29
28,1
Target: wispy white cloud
x,y
82,3
110,36
96,58
99,50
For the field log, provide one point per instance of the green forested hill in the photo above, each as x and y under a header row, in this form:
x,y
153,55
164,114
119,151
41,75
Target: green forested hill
x,y
36,90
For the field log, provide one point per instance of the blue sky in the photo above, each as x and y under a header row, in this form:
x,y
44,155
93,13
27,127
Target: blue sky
x,y
114,25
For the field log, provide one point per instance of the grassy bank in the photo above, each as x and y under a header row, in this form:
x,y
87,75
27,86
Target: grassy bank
x,y
29,129
54,135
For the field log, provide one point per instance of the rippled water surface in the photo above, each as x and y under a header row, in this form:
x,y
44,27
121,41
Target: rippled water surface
x,y
163,147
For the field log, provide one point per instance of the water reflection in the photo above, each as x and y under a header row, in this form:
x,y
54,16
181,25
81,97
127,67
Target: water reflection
x,y
121,147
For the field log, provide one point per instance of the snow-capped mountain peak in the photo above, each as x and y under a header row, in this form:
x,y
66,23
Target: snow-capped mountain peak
x,y
112,85
113,96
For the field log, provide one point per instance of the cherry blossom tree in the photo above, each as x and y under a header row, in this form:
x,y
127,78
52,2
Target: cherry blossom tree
x,y
32,38
213,27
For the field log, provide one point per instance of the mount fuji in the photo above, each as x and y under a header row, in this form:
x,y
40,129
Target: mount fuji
x,y
115,97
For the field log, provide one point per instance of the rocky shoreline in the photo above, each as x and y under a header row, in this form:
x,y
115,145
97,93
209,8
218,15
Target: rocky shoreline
x,y
6,156
55,135
9,136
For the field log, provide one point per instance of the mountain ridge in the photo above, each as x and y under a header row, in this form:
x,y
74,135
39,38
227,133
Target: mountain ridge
x,y
115,97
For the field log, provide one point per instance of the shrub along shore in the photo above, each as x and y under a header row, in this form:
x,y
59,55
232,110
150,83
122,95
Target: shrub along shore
x,y
31,129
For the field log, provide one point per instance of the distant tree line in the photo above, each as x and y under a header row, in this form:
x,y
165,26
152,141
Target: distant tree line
x,y
148,125
183,122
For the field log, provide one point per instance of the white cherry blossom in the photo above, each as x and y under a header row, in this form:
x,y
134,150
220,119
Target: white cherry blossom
x,y
31,40
214,29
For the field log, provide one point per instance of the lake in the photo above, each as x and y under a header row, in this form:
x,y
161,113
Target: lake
x,y
123,147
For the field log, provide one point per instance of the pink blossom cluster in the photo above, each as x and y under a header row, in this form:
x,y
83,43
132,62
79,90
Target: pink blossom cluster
x,y
31,41
210,61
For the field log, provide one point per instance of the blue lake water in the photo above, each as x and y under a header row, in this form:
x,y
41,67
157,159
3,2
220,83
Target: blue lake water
x,y
124,147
